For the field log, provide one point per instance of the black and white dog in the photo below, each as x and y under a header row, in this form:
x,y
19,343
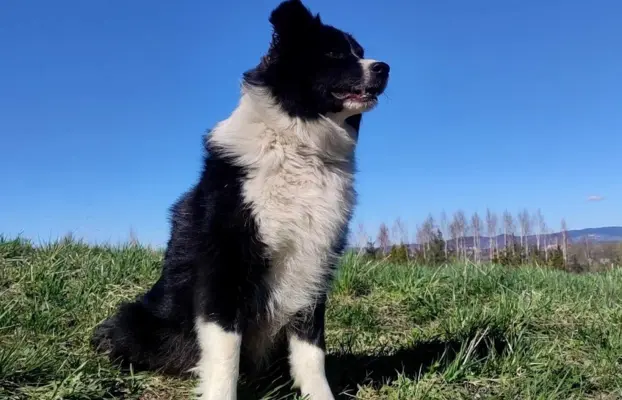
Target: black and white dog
x,y
255,242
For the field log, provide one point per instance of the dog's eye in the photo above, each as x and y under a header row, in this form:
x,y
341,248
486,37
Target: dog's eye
x,y
335,55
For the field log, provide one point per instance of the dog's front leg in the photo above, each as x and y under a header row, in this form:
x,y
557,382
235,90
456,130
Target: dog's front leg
x,y
307,349
219,335
218,366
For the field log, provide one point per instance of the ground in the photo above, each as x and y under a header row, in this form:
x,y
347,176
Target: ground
x,y
394,331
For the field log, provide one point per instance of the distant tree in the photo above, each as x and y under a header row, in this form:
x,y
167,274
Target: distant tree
x,y
427,231
508,228
398,254
564,232
518,255
556,258
370,250
383,240
539,227
491,224
420,240
403,229
546,240
476,229
361,236
395,232
536,257
444,232
617,255
462,226
400,235
575,266
511,255
588,250
454,230
436,251
524,221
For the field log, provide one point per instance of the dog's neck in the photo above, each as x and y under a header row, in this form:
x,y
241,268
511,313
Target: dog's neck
x,y
259,123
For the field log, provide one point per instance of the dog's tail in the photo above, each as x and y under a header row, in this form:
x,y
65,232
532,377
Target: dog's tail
x,y
136,335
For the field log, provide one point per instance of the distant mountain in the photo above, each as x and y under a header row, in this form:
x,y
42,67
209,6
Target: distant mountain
x,y
605,234
598,235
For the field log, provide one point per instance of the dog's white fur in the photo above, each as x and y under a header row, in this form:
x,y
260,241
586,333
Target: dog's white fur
x,y
366,64
219,364
300,189
307,366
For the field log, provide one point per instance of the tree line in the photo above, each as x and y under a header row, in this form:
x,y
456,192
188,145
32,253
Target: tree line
x,y
499,238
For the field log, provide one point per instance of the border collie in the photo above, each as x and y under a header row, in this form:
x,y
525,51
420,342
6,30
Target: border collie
x,y
255,242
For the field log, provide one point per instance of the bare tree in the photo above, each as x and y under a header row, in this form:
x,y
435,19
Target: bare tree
x,y
404,232
361,237
589,256
421,240
545,239
476,230
428,230
395,233
491,224
443,224
539,225
508,228
384,240
415,236
461,224
525,229
564,240
400,232
402,229
454,231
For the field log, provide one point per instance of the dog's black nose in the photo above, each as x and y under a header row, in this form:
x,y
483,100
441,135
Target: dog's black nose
x,y
380,68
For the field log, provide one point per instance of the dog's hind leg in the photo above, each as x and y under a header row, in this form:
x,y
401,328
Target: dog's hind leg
x,y
155,332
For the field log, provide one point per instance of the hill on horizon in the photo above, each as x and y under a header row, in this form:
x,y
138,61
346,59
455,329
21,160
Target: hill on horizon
x,y
606,234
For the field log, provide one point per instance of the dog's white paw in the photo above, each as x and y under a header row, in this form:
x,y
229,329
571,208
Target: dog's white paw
x,y
319,391
307,364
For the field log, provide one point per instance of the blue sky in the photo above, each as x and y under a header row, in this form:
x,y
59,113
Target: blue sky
x,y
505,104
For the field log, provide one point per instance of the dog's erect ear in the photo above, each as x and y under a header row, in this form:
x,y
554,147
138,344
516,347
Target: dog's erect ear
x,y
292,16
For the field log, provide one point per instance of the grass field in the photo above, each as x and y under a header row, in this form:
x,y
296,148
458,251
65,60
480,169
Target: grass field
x,y
394,331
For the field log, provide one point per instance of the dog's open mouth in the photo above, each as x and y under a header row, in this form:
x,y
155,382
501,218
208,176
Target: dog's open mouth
x,y
356,95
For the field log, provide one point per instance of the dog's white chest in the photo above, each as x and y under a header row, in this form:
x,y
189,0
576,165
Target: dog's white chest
x,y
298,183
301,205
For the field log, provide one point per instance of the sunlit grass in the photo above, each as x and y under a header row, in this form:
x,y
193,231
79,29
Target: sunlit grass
x,y
393,331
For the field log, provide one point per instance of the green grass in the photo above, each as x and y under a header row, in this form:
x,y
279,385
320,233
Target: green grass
x,y
393,331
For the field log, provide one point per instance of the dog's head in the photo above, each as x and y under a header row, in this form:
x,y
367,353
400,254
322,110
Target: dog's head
x,y
312,68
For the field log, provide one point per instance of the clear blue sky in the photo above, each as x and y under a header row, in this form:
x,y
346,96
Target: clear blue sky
x,y
506,104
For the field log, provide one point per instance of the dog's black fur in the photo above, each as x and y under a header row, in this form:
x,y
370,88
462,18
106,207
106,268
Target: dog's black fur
x,y
214,255
216,259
